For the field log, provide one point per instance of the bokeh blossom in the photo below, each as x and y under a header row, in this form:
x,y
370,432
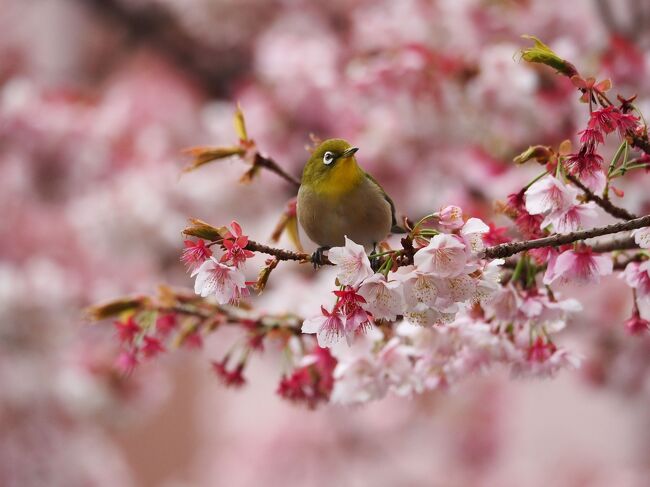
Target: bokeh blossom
x,y
92,136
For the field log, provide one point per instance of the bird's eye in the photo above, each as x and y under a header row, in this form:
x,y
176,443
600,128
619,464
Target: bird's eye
x,y
328,158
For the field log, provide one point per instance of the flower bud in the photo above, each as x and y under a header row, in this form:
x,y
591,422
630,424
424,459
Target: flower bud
x,y
116,307
542,54
540,153
202,155
199,228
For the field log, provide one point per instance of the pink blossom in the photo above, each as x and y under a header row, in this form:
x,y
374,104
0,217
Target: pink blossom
x,y
637,276
544,359
611,118
165,324
496,235
350,302
549,195
642,237
580,265
636,325
151,346
444,256
472,233
423,287
328,326
585,164
352,263
423,315
235,243
312,381
590,137
383,297
127,330
231,378
194,254
226,283
572,218
450,217
529,224
127,361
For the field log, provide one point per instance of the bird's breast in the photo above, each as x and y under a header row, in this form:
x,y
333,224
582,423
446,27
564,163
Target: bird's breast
x,y
361,212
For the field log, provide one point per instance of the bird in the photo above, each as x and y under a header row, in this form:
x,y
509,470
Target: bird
x,y
338,199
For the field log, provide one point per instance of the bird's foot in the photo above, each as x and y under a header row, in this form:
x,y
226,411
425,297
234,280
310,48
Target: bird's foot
x,y
375,263
317,257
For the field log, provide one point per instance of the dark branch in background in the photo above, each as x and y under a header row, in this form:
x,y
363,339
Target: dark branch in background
x,y
637,23
154,26
606,205
508,249
625,243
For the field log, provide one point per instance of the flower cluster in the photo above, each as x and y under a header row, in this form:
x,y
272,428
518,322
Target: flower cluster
x,y
445,277
515,330
220,278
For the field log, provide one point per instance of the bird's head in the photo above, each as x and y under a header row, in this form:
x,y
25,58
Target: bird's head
x,y
332,166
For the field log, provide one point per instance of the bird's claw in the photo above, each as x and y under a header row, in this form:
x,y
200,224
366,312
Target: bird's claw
x,y
317,257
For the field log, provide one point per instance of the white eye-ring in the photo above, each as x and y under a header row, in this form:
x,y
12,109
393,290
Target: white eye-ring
x,y
328,158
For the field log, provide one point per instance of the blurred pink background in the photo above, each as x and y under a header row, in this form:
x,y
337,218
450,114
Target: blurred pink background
x,y
97,100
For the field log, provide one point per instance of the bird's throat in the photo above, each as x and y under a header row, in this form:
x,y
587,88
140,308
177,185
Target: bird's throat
x,y
342,178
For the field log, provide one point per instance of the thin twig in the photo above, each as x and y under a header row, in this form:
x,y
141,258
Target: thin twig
x,y
606,205
512,248
271,165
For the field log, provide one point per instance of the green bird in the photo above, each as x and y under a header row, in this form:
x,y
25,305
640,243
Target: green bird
x,y
337,199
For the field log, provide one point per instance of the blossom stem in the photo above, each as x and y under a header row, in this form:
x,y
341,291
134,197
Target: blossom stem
x,y
622,170
606,205
512,248
535,179
617,156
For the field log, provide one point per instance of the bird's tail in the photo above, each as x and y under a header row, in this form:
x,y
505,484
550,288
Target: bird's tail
x,y
397,229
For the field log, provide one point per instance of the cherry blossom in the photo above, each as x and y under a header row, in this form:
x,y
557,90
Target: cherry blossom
x,y
235,244
329,327
572,218
226,283
450,217
549,195
637,276
444,256
580,265
127,330
383,297
195,254
472,233
352,263
642,237
636,325
351,304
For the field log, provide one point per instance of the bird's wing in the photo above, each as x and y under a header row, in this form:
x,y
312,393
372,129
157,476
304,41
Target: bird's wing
x,y
396,228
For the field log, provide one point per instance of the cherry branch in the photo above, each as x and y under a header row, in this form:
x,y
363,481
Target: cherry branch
x,y
282,254
512,248
502,250
608,206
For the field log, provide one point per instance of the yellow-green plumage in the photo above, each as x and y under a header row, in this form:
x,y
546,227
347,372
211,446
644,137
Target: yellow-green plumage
x,y
339,199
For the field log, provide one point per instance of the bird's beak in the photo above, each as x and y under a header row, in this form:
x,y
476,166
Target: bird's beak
x,y
349,152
